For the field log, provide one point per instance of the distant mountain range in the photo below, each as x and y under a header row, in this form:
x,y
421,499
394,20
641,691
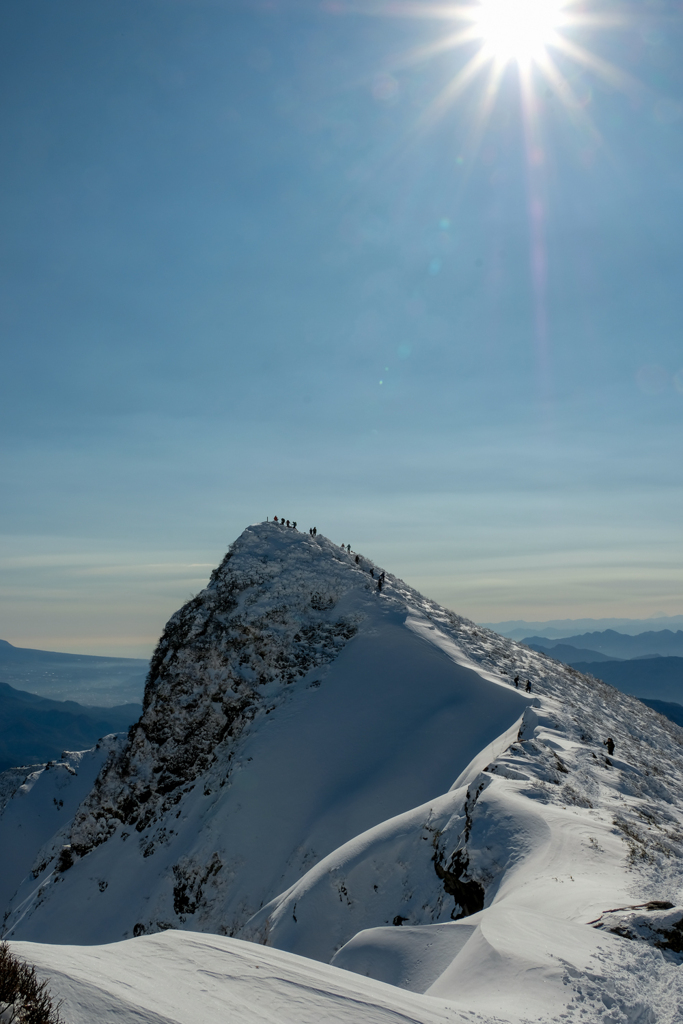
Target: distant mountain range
x,y
612,644
657,679
674,712
647,678
517,629
35,730
82,677
565,653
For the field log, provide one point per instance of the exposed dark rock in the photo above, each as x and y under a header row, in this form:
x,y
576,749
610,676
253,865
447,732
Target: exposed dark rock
x,y
468,893
227,656
658,922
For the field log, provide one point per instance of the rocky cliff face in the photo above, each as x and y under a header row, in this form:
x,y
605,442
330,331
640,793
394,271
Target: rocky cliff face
x,y
270,615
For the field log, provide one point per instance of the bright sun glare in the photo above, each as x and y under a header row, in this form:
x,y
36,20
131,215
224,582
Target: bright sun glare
x,y
538,38
517,29
532,34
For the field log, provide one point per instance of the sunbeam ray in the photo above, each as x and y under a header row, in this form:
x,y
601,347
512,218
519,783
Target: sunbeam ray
x,y
484,110
609,72
567,96
450,93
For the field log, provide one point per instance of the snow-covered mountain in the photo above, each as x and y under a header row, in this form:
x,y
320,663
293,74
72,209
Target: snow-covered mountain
x,y
36,801
290,706
350,774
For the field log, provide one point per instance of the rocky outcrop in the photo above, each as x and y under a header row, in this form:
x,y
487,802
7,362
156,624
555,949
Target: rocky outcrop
x,y
226,656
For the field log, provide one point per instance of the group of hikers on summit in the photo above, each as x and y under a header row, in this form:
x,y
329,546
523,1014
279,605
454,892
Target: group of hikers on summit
x,y
313,531
281,522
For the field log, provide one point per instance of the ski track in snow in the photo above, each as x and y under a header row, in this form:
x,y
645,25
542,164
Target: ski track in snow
x,y
352,777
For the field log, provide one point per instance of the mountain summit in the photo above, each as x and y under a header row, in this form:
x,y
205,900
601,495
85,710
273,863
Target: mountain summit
x,y
290,706
357,775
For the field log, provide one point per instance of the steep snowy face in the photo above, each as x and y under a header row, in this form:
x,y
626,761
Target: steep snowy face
x,y
275,609
562,853
37,802
290,706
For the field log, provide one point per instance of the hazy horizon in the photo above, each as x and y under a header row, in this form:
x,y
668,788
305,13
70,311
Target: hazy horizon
x,y
508,627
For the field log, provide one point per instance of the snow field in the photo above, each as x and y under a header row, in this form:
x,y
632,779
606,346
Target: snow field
x,y
191,978
353,777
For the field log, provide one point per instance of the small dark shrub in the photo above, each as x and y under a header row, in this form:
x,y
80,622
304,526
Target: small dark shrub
x,y
66,859
24,999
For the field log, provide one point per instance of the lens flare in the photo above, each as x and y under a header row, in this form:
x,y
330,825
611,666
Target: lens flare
x,y
517,29
537,39
528,33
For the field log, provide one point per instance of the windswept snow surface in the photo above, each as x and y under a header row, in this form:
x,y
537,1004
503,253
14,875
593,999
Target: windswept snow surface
x,y
352,777
189,978
581,977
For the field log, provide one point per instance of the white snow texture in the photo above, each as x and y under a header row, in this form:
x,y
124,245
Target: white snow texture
x,y
348,777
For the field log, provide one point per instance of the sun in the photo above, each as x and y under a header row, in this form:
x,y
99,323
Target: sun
x,y
530,34
518,30
482,41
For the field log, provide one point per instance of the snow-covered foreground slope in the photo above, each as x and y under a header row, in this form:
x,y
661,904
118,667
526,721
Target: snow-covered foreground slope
x,y
551,825
352,776
189,978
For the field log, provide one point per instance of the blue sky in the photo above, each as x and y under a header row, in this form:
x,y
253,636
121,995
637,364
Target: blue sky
x,y
244,275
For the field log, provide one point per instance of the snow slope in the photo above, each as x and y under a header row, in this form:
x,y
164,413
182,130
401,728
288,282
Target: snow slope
x,y
290,707
533,846
36,802
352,777
189,978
